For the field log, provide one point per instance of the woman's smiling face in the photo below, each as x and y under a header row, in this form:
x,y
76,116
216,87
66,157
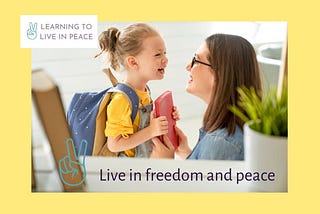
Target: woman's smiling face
x,y
201,78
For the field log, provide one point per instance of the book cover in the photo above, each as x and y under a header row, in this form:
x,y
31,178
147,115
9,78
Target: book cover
x,y
164,107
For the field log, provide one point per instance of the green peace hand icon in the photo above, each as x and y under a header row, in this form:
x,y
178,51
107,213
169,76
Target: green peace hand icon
x,y
69,165
32,31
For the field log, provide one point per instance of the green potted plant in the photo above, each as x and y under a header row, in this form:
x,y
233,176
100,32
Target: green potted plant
x,y
265,135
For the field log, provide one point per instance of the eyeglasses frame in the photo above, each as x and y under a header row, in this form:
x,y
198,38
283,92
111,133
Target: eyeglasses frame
x,y
194,60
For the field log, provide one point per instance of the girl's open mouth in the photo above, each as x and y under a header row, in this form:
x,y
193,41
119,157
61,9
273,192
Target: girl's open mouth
x,y
161,70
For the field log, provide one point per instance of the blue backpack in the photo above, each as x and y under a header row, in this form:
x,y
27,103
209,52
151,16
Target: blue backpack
x,y
87,116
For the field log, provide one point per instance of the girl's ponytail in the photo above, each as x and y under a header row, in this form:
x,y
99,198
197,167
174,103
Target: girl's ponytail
x,y
108,43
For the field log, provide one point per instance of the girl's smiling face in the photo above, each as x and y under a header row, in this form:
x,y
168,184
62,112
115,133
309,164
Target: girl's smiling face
x,y
152,60
201,78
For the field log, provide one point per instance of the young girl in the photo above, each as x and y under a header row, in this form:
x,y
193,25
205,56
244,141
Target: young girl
x,y
142,52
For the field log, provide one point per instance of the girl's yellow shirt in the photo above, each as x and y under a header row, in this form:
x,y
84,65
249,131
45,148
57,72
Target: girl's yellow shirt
x,y
119,116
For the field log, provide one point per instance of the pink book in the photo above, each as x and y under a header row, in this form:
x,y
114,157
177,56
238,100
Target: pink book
x,y
164,107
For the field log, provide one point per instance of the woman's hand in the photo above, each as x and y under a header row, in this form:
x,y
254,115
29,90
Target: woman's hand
x,y
183,149
163,149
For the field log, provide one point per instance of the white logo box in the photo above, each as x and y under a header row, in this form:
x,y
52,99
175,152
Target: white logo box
x,y
58,31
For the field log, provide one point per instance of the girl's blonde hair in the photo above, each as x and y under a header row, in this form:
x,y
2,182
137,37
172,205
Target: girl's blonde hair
x,y
118,44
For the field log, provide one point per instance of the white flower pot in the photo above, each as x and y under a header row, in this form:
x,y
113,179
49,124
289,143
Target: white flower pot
x,y
264,153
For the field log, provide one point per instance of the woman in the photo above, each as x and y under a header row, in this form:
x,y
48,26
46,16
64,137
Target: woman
x,y
221,65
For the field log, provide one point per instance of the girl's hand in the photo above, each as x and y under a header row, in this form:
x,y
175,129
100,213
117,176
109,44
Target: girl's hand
x,y
158,126
175,113
183,149
163,149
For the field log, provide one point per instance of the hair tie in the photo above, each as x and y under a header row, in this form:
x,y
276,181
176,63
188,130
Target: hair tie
x,y
117,35
114,39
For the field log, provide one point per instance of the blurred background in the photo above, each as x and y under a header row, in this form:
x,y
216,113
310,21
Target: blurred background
x,y
75,70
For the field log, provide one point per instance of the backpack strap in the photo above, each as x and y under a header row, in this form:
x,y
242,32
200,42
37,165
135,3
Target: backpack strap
x,y
132,97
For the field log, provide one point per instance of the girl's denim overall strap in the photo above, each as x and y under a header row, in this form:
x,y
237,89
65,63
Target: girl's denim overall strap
x,y
144,150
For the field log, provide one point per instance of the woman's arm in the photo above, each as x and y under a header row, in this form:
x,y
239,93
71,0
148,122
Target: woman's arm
x,y
183,149
165,149
217,147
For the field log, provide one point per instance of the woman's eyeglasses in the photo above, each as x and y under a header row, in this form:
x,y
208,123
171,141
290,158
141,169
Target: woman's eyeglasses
x,y
197,61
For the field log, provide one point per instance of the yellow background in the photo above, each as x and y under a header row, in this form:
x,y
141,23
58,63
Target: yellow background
x,y
303,23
